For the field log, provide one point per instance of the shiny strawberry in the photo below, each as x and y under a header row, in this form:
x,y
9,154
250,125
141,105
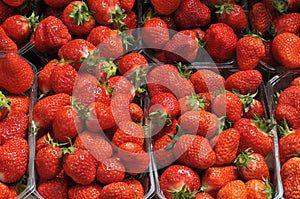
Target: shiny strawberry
x,y
110,170
57,3
136,112
54,188
117,190
287,23
14,155
14,3
214,178
16,74
78,18
285,49
192,13
165,8
259,189
235,189
4,190
7,44
179,181
167,129
255,108
127,5
84,191
290,173
260,18
195,102
203,195
194,151
220,41
268,57
103,10
131,62
44,76
136,186
163,155
252,165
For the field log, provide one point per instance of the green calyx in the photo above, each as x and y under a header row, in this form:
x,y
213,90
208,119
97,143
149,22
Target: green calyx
x,y
297,155
281,5
246,100
116,17
223,124
138,78
224,8
109,67
4,103
80,14
161,118
174,138
32,21
21,184
284,129
183,193
244,158
269,190
184,71
81,109
52,143
263,125
196,102
256,34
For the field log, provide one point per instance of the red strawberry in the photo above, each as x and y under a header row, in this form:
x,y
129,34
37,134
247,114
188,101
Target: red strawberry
x,y
110,170
136,186
45,109
194,151
268,57
285,49
49,39
131,62
7,44
14,155
117,190
203,195
220,41
4,190
287,23
103,10
195,102
260,18
77,17
295,82
290,96
127,4
44,76
290,173
255,108
192,13
14,3
243,80
80,166
249,51
5,11
166,7
19,103
16,74
259,189
41,142
57,3
168,129
14,125
179,180
55,188
252,165
232,15
235,189
4,106
163,155
84,191
214,178
136,112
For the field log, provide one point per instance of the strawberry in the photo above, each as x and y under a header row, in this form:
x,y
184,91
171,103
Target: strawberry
x,y
77,17
290,96
136,112
249,51
202,122
243,80
80,166
220,41
290,173
226,145
44,76
192,13
57,3
163,155
203,195
179,181
165,8
168,129
128,131
229,105
287,6
268,57
55,188
4,190
295,82
287,23
76,50
232,15
16,74
235,189
214,178
110,170
18,103
14,155
14,125
136,186
259,189
117,190
96,144
255,135
103,10
287,113
127,5
206,81
131,62
252,165
4,106
45,109
50,35
285,49
130,22
194,151
5,11
195,102
14,3
155,33
84,191
7,44
260,18
255,108
62,78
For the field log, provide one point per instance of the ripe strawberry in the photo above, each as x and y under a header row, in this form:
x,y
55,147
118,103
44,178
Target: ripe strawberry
x,y
285,49
167,129
128,131
44,76
268,57
249,51
194,151
14,125
226,145
155,33
255,108
4,106
50,35
243,80
214,178
254,135
229,105
117,190
202,122
260,18
80,166
14,3
195,102
136,112
130,21
235,189
4,190
103,10
18,103
16,74
259,189
232,15
290,96
163,155
203,195
191,13
14,155
5,11
57,3
179,181
289,114
252,165
55,188
131,62
12,192
78,18
127,5
220,41
110,170
165,8
290,173
136,186
287,23
84,191
7,44
95,144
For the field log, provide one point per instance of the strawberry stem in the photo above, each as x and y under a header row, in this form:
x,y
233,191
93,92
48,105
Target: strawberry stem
x,y
32,21
284,129
196,102
184,192
4,103
80,14
184,71
262,124
224,7
281,5
246,100
161,117
243,158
